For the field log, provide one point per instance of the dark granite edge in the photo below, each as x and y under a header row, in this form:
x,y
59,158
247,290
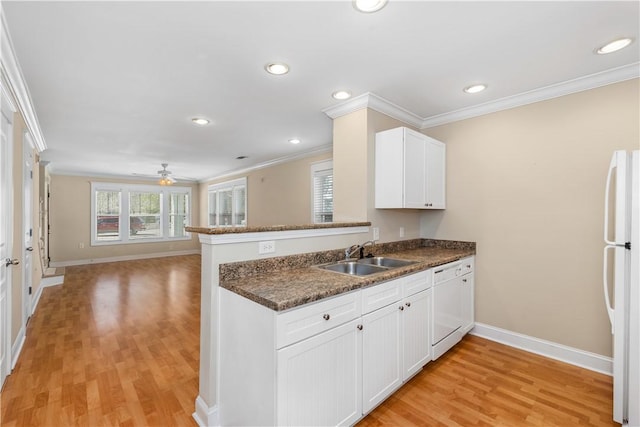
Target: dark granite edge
x,y
259,229
237,270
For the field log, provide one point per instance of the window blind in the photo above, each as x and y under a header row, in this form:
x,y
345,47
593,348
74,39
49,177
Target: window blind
x,y
323,195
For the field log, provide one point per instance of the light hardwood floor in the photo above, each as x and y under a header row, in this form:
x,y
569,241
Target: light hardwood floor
x,y
117,345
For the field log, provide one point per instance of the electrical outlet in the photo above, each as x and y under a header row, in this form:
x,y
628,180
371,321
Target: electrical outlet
x,y
376,233
267,247
81,245
401,231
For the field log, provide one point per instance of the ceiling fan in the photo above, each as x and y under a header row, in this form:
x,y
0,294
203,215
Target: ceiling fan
x,y
165,175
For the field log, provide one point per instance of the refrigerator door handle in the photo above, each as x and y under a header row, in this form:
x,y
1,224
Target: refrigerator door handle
x,y
612,166
605,284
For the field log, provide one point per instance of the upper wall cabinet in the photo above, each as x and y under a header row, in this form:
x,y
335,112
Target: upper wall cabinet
x,y
410,170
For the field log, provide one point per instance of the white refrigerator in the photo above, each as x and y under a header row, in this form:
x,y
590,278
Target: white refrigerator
x,y
621,279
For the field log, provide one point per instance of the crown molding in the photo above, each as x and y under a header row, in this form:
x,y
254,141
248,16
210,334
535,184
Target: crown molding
x,y
592,81
314,152
377,103
12,73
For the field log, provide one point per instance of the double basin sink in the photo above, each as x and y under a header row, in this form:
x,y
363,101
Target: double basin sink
x,y
365,266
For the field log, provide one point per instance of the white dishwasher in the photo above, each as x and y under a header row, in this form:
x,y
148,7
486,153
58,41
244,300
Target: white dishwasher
x,y
447,307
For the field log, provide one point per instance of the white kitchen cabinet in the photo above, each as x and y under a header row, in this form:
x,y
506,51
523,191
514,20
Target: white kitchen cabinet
x,y
395,338
382,355
318,379
416,325
409,170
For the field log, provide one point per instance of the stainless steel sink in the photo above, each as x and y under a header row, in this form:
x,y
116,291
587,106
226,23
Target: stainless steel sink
x,y
385,262
353,268
366,266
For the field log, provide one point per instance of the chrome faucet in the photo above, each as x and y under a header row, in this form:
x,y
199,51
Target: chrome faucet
x,y
354,248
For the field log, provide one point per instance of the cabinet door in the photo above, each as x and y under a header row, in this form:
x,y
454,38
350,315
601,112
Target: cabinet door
x,y
414,171
381,358
435,174
319,379
468,298
416,326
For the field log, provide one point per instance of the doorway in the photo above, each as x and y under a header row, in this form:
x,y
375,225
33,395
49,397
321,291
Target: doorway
x,y
27,212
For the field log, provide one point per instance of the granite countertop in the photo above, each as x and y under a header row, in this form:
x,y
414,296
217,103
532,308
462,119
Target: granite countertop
x,y
287,282
263,229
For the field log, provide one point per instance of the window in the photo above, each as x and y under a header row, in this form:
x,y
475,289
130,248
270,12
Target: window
x,y
322,191
228,204
152,213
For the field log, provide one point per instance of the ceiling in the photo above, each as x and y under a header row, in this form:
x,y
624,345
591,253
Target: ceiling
x,y
115,84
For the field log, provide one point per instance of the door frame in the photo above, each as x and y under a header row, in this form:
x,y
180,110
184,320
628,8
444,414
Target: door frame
x,y
28,162
8,109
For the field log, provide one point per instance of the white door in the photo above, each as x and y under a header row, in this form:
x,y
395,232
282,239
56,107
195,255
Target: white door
x,y
6,208
319,379
27,194
381,357
416,319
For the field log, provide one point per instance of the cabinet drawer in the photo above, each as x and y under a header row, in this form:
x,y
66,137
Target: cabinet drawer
x,y
416,282
468,265
381,295
310,320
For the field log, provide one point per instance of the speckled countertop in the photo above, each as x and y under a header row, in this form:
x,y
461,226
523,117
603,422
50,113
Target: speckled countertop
x,y
262,229
282,283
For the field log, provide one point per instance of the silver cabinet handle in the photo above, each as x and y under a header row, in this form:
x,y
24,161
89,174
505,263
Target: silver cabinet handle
x,y
326,317
359,327
9,261
30,249
408,304
401,307
464,280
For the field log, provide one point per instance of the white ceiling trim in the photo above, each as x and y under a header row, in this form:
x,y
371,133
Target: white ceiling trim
x,y
580,84
592,81
11,70
377,103
298,156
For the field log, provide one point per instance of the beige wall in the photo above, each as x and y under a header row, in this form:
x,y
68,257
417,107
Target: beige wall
x,y
70,219
354,176
280,194
527,185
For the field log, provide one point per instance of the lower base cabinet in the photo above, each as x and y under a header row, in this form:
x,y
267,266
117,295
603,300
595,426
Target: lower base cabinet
x,y
272,372
318,379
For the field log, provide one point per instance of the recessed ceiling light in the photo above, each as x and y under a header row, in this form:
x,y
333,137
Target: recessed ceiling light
x,y
200,121
369,6
614,46
475,88
294,141
241,157
341,94
277,68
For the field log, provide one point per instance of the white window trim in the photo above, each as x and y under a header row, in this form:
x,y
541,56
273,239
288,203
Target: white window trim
x,y
124,189
228,185
316,167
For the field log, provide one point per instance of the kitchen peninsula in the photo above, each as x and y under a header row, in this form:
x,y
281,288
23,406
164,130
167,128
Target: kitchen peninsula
x,y
258,313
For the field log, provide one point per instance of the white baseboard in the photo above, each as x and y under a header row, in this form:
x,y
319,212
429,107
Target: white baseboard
x,y
563,353
205,416
45,282
16,349
123,258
